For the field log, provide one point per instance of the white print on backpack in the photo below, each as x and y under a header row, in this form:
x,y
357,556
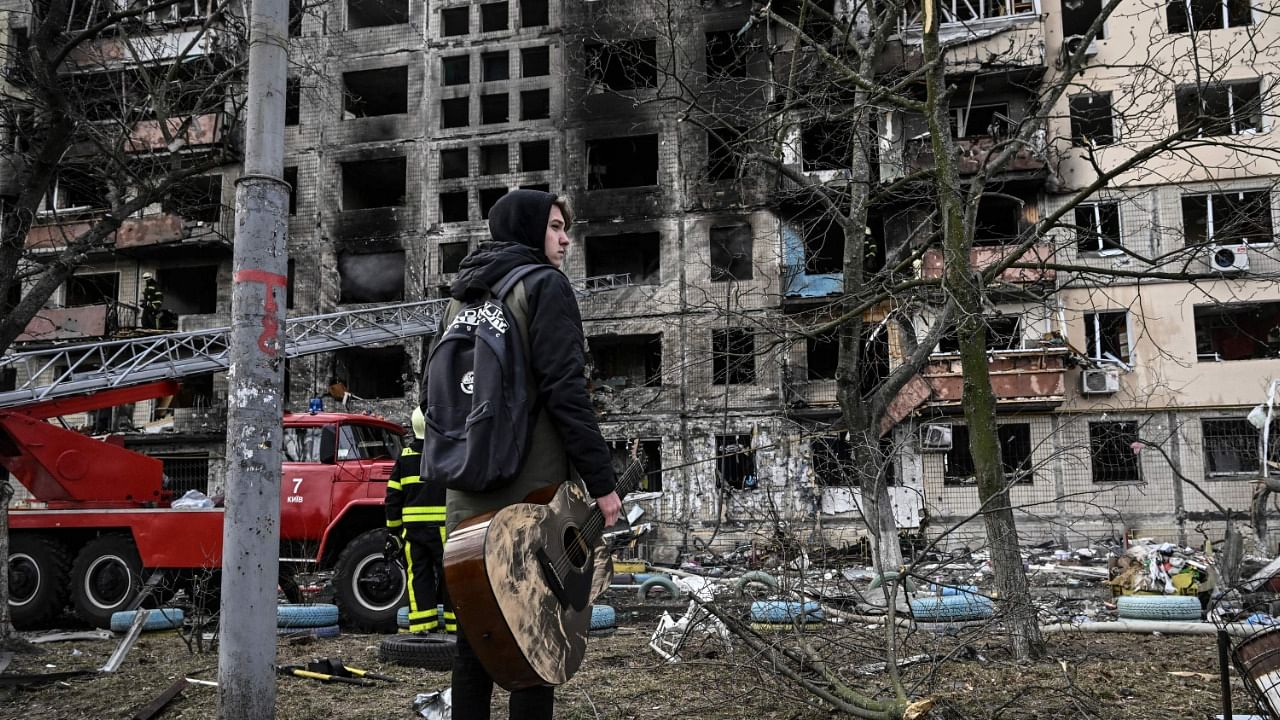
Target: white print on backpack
x,y
489,312
468,382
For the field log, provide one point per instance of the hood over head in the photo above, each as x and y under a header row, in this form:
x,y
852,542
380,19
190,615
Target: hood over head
x,y
518,224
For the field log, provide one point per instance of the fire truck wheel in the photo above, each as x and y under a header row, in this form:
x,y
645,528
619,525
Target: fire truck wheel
x,y
106,576
367,589
37,579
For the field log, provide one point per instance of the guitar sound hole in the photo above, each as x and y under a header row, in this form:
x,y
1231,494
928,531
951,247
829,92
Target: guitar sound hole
x,y
575,547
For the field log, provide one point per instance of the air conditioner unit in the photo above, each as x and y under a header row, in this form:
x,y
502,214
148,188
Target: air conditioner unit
x,y
1099,382
935,437
1072,43
1229,258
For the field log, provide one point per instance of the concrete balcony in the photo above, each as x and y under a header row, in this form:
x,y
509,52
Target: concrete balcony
x,y
119,51
184,132
75,323
971,156
984,256
1026,378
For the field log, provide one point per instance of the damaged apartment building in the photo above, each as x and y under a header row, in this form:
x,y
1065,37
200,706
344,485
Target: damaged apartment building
x,y
407,121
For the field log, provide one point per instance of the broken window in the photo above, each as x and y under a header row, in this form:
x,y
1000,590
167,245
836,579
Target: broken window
x,y
1097,227
822,355
1091,121
488,198
292,101
1237,331
493,160
453,206
94,289
979,121
1107,335
189,290
723,162
455,21
535,156
451,255
650,452
735,462
731,253
535,61
455,70
383,91
636,254
493,17
831,457
1114,447
1004,332
371,277
455,112
494,109
197,198
1015,454
1230,446
373,183
533,13
75,189
816,16
373,373
1227,108
296,10
375,13
535,104
826,146
291,177
453,163
1227,218
727,54
291,274
626,361
621,65
959,11
1200,15
540,187
495,66
733,356
622,162
997,221
1078,16
823,244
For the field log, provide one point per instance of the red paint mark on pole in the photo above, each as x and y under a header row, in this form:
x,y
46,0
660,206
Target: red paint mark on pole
x,y
270,325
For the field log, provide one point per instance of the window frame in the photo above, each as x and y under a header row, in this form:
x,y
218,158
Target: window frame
x,y
1098,446
1237,121
1097,229
1210,224
1252,455
1093,335
732,364
1079,122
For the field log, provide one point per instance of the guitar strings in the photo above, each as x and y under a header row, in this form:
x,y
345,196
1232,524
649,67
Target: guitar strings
x,y
596,522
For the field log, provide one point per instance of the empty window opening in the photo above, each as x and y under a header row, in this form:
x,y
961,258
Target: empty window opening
x,y
488,198
535,104
735,462
621,65
627,361
540,187
998,221
494,160
1078,15
453,163
823,245
733,356
451,255
1221,108
826,146
959,11
817,15
455,112
981,121
371,277
296,11
1227,218
292,101
94,289
369,93
189,290
494,109
1199,15
533,13
455,70
1015,455
637,254
622,162
1107,335
197,198
650,452
831,457
495,66
1092,124
535,61
291,177
493,17
1237,331
376,13
1114,447
1231,446
1004,332
535,156
455,21
453,206
727,54
1097,227
373,183
74,189
723,161
822,355
731,247
373,373
291,277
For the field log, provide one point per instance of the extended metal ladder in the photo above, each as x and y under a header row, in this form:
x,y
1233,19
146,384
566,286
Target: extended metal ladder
x,y
76,369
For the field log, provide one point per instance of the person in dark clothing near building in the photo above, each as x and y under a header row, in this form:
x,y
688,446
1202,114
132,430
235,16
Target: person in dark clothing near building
x,y
152,299
529,226
415,531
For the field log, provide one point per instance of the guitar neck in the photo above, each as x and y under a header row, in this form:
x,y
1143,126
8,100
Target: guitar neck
x,y
594,527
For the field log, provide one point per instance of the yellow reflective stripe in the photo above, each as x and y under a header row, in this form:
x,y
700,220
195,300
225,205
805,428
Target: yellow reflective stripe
x,y
410,480
424,508
408,452
423,615
426,519
393,523
442,533
393,484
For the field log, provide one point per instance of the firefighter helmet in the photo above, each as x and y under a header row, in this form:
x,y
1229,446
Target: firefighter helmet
x,y
419,424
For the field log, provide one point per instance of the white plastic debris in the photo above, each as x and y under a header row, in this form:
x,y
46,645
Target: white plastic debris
x,y
434,705
192,499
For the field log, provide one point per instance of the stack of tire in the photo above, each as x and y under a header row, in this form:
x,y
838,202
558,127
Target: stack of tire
x,y
604,620
166,618
319,620
1164,608
950,608
778,615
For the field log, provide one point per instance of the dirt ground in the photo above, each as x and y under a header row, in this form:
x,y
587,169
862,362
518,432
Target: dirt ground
x,y
970,677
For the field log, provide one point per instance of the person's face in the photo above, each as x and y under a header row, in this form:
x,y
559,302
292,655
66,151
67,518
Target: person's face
x,y
556,245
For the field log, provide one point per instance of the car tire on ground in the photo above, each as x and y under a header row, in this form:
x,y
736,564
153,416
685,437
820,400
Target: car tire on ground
x,y
951,608
1159,607
783,611
603,617
38,571
105,577
306,616
368,589
166,618
324,631
756,578
661,582
431,652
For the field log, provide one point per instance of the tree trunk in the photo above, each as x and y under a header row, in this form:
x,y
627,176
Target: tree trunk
x,y
7,632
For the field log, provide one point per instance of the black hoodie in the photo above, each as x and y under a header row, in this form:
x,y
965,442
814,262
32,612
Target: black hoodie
x,y
518,223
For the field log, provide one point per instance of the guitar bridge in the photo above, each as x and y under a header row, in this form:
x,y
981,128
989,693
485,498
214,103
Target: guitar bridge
x,y
574,593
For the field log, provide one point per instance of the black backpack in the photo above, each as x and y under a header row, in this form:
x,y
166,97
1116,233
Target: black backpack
x,y
477,406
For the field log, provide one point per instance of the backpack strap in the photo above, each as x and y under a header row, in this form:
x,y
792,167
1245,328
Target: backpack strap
x,y
514,276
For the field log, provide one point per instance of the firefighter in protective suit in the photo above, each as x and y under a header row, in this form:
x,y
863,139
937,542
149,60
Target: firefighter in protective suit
x,y
415,531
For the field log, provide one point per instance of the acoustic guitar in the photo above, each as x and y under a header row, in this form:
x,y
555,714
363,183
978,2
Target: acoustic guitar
x,y
521,581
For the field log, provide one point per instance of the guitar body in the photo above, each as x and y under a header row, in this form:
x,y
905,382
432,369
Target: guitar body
x,y
521,580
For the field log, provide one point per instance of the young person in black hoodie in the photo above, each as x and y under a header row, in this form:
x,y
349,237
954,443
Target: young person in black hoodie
x,y
529,226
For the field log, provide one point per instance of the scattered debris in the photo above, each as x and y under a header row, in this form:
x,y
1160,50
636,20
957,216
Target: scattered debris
x,y
879,667
87,635
301,672
154,707
130,637
434,705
